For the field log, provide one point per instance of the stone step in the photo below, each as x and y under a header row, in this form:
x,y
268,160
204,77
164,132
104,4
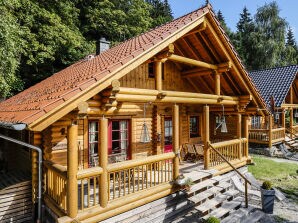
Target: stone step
x,y
201,186
237,216
216,201
254,217
211,192
147,209
226,208
168,212
198,176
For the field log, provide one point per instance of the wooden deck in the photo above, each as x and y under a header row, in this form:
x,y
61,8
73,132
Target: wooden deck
x,y
15,197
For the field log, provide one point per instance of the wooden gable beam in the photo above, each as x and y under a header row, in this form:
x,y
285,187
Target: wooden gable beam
x,y
200,28
223,67
227,55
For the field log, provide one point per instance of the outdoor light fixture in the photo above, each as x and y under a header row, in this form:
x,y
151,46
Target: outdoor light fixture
x,y
296,114
222,122
145,135
277,116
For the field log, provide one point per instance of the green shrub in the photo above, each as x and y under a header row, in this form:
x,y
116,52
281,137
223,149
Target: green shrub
x,y
212,220
267,185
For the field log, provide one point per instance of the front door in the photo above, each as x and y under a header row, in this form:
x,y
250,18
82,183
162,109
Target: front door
x,y
168,135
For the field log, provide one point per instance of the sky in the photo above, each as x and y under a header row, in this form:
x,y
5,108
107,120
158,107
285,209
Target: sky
x,y
231,9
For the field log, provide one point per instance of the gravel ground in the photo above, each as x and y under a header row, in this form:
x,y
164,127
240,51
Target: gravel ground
x,y
284,211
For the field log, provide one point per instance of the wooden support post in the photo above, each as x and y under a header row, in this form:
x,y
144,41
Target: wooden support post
x,y
72,169
217,82
103,162
283,121
176,140
270,130
291,122
245,132
239,135
158,75
206,137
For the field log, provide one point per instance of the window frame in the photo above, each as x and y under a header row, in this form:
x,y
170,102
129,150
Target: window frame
x,y
198,132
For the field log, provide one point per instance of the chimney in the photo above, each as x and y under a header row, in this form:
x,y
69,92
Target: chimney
x,y
101,45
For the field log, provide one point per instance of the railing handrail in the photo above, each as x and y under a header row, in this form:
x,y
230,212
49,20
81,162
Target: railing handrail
x,y
237,171
278,129
90,172
258,130
138,162
226,143
59,169
289,129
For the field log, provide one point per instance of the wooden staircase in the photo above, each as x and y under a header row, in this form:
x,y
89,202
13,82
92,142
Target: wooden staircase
x,y
209,196
291,141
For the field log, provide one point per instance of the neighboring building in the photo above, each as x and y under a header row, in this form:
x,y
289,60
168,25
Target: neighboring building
x,y
278,87
109,123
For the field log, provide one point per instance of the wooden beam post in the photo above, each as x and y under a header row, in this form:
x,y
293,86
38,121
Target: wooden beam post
x,y
176,140
72,169
283,121
270,130
158,75
291,121
239,135
103,162
217,82
245,133
206,137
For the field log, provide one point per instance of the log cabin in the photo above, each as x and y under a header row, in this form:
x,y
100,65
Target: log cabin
x,y
279,89
116,128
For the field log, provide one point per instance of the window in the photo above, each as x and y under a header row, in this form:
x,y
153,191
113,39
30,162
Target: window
x,y
255,122
93,143
151,70
194,126
119,139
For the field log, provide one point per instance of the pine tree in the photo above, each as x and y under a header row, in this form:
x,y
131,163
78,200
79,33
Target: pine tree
x,y
223,23
290,38
243,42
160,12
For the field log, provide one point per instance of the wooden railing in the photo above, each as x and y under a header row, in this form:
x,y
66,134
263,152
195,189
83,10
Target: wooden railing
x,y
259,135
124,178
266,136
233,167
88,187
135,175
231,150
55,184
278,134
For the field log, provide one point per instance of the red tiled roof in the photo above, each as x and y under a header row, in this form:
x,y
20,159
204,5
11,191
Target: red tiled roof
x,y
41,98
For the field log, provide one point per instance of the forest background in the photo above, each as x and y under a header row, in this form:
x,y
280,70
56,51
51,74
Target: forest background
x,y
41,37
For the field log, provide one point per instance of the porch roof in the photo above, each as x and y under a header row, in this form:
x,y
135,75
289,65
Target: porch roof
x,y
275,82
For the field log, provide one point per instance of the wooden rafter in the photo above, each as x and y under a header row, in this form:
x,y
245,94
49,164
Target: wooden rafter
x,y
200,28
223,67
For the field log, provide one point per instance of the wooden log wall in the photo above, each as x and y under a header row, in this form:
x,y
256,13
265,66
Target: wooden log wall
x,y
218,136
139,78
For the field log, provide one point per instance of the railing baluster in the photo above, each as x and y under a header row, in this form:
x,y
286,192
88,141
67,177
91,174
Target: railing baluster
x,y
88,192
94,190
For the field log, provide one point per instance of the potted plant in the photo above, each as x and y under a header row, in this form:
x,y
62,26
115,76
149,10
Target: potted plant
x,y
184,183
212,220
267,197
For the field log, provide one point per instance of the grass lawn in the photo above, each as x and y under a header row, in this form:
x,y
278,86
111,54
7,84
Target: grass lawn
x,y
282,175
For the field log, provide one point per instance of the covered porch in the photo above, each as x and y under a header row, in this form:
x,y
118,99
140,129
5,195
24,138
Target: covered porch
x,y
97,192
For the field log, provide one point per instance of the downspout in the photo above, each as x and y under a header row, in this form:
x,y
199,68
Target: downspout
x,y
22,127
